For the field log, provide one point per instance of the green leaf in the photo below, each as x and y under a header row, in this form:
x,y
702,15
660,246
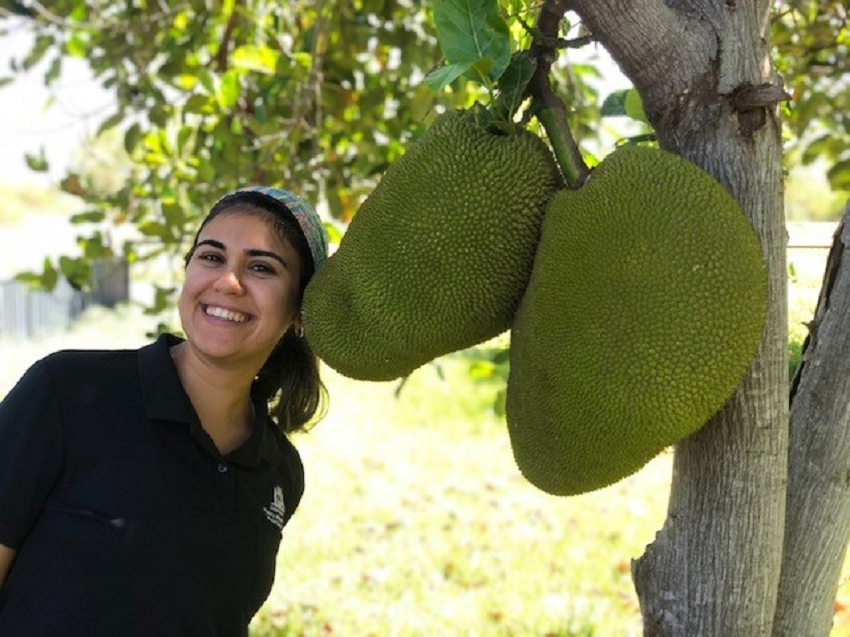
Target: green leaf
x,y
94,246
634,106
111,122
206,172
500,402
334,234
440,78
162,300
198,104
90,216
49,276
30,278
624,103
73,185
76,46
481,369
185,81
513,84
53,71
132,137
228,90
154,229
839,175
825,145
42,43
5,81
615,104
206,80
37,163
261,59
470,31
76,271
501,357
174,217
480,71
183,136
302,60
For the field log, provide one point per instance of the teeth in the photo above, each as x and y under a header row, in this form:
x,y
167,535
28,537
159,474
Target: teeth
x,y
220,312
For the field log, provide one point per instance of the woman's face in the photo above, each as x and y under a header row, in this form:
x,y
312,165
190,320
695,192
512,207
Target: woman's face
x,y
241,290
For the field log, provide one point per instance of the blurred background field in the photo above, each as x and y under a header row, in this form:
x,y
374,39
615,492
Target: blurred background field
x,y
416,520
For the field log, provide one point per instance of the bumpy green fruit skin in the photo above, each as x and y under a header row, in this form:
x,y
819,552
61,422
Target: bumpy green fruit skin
x,y
645,307
438,256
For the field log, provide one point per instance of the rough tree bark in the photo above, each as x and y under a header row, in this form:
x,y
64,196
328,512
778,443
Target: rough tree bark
x,y
818,512
702,68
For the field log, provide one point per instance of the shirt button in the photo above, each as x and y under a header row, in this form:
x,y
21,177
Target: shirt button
x,y
222,468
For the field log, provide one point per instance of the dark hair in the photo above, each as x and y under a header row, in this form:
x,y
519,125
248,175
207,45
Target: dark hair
x,y
289,379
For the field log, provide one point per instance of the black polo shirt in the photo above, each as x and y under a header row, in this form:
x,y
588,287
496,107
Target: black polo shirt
x,y
126,518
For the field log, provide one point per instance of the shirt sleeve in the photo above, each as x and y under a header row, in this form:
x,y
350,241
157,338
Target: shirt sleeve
x,y
31,444
294,480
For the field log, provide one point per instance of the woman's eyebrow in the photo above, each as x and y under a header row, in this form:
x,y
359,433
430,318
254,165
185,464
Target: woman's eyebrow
x,y
251,253
211,242
266,253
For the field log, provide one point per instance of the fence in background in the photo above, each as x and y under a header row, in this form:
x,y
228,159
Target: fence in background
x,y
26,313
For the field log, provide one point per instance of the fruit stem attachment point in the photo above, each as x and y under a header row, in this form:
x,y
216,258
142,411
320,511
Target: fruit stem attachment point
x,y
546,105
566,152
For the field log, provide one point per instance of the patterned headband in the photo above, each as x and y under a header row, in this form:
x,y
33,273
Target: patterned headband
x,y
307,217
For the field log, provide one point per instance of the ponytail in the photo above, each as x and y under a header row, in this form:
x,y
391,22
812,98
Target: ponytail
x,y
290,381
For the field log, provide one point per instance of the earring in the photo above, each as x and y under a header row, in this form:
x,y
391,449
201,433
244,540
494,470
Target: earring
x,y
299,331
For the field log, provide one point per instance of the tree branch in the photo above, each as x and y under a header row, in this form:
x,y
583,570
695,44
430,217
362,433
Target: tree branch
x,y
747,97
817,526
549,108
224,47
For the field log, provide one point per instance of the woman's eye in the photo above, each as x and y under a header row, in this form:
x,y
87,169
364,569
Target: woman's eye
x,y
210,256
263,268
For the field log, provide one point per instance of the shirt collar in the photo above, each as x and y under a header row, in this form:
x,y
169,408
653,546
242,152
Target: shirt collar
x,y
163,394
166,400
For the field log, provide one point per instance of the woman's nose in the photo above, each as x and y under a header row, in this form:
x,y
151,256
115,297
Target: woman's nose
x,y
228,283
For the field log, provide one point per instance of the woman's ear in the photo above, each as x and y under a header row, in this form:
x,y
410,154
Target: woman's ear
x,y
297,326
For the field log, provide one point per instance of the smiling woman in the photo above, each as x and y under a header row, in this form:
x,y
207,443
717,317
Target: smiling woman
x,y
168,468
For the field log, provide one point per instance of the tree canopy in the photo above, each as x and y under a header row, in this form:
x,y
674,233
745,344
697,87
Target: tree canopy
x,y
322,97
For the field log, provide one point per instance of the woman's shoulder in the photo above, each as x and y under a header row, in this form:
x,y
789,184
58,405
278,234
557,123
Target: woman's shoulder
x,y
86,356
284,448
75,361
287,459
70,367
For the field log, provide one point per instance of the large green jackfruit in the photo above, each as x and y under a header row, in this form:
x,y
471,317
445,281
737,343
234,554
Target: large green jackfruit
x,y
438,255
644,309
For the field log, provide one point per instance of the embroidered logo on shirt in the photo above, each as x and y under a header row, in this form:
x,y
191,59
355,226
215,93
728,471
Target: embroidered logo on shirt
x,y
276,511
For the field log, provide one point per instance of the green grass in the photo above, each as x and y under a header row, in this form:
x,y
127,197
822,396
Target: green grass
x,y
417,522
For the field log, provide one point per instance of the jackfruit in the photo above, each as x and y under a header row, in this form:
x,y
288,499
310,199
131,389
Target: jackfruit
x,y
438,256
645,307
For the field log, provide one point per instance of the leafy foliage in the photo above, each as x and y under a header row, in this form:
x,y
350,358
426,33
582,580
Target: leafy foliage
x,y
811,40
321,97
474,39
317,97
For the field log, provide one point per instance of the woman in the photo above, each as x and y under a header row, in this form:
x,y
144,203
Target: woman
x,y
143,492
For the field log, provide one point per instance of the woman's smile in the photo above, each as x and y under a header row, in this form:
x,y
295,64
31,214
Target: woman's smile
x,y
228,315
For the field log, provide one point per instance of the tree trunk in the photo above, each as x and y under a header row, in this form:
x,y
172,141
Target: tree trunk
x,y
818,510
703,71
